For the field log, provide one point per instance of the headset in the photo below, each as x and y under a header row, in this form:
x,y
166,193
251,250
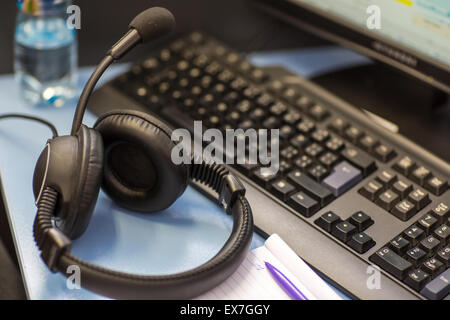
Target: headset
x,y
128,154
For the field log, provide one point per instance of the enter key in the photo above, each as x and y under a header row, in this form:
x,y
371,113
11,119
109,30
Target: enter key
x,y
344,177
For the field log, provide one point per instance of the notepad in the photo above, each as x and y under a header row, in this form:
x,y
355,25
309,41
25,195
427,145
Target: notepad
x,y
252,280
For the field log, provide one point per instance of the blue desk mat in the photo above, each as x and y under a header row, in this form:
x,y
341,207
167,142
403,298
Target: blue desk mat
x,y
184,236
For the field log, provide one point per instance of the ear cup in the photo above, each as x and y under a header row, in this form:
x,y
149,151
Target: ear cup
x,y
90,153
138,171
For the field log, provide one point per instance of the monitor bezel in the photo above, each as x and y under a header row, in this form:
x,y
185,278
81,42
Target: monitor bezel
x,y
432,72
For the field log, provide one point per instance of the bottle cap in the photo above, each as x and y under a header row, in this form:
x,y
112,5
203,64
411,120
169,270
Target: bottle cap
x,y
41,7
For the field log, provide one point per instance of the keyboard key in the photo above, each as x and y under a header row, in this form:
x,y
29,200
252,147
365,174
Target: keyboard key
x,y
361,221
384,153
289,153
433,267
444,255
439,287
387,200
417,279
251,92
414,234
386,178
319,113
416,256
343,178
290,94
233,117
278,109
244,106
391,262
258,75
320,136
246,124
306,127
244,67
419,198
312,188
327,221
271,123
368,143
314,150
402,188
240,84
430,244
400,245
265,100
338,125
226,76
371,190
304,162
276,86
328,160
304,204
299,141
285,166
201,61
361,242
427,223
344,231
436,185
441,212
264,178
404,210
318,172
286,132
442,233
420,175
353,134
360,159
304,102
335,144
405,166
292,117
282,189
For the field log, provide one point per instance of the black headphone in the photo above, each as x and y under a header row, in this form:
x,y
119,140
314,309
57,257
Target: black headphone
x,y
128,153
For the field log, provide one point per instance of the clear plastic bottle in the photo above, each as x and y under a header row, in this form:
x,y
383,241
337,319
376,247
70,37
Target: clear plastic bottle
x,y
45,51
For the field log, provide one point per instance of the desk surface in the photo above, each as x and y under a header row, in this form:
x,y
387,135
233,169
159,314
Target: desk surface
x,y
183,236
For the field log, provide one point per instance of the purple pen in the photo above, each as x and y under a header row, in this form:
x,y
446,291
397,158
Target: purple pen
x,y
285,283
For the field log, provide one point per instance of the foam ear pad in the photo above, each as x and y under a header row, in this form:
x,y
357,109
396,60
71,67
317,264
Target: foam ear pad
x,y
89,177
138,171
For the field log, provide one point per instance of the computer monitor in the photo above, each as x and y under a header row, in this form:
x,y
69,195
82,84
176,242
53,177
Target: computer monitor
x,y
410,35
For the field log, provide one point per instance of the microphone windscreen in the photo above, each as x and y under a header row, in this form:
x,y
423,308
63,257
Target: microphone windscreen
x,y
153,23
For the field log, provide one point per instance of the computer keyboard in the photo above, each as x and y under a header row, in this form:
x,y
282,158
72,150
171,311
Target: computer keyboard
x,y
382,199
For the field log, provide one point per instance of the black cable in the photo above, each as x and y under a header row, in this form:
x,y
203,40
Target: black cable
x,y
32,118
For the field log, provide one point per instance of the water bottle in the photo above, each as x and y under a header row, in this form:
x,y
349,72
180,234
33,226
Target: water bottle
x,y
45,52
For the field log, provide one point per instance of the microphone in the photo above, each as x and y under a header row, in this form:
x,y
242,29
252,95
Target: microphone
x,y
147,26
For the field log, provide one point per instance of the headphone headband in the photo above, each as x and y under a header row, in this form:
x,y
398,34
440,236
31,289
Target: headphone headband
x,y
55,247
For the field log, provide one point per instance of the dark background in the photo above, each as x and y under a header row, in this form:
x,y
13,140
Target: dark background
x,y
239,24
103,22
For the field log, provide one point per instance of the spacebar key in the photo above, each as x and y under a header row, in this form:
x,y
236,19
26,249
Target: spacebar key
x,y
360,159
312,188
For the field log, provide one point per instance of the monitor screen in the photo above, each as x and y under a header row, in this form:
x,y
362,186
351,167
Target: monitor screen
x,y
413,35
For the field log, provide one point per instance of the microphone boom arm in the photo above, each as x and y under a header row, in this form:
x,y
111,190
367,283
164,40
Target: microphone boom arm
x,y
87,91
